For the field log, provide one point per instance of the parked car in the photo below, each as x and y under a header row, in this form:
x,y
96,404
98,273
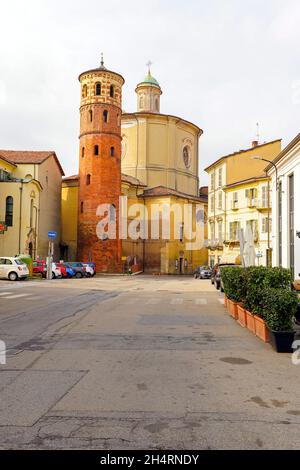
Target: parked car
x,y
13,269
90,271
203,272
66,271
216,274
218,278
40,266
78,268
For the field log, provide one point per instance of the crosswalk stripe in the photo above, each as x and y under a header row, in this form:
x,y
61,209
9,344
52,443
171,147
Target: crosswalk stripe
x,y
17,296
201,302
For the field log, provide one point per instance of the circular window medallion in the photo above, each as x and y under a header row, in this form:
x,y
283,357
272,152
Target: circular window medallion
x,y
186,155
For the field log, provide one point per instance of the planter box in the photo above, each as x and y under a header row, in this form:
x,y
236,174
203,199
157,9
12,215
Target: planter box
x,y
282,340
242,316
225,301
261,329
232,307
250,322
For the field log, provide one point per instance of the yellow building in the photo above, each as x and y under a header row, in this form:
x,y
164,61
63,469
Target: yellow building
x,y
160,167
30,200
237,197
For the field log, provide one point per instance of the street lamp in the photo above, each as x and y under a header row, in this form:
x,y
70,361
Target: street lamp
x,y
277,201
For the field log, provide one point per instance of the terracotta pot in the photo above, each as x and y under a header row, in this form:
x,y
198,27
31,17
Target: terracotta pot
x,y
232,307
261,329
242,316
250,321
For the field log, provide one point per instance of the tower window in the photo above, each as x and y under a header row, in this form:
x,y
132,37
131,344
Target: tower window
x,y
96,150
9,210
82,152
88,180
91,115
81,207
98,89
84,91
112,151
105,115
112,91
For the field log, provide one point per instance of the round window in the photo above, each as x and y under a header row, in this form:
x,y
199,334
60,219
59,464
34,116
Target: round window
x,y
186,155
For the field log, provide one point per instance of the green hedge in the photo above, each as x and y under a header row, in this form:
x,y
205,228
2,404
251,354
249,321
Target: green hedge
x,y
265,292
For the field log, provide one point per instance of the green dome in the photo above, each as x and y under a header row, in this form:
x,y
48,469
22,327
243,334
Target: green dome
x,y
150,79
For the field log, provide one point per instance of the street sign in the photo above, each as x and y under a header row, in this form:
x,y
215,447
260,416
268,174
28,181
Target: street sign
x,y
259,255
52,235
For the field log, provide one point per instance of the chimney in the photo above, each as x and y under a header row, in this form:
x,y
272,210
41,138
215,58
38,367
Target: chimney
x,y
254,143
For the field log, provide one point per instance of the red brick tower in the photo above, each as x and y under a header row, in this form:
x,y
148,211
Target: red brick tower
x,y
100,166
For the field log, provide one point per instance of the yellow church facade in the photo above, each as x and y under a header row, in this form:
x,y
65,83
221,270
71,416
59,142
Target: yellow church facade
x,y
160,168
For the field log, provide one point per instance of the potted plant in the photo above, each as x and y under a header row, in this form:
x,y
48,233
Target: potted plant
x,y
280,306
233,280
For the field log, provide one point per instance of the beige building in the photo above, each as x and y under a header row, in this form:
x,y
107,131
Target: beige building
x,y
30,195
237,196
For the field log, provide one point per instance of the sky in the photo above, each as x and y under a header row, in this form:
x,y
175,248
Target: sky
x,y
223,64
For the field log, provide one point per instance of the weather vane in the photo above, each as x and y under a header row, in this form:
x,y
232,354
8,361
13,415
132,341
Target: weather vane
x,y
102,60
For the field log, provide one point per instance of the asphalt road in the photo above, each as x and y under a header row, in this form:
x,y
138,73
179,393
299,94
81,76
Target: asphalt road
x,y
138,362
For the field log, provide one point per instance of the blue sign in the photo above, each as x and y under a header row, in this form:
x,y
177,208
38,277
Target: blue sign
x,y
52,235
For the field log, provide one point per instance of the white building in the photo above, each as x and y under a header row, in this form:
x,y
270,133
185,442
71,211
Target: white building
x,y
286,207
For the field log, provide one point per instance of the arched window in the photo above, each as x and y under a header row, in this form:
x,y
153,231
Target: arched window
x,y
91,115
157,104
98,89
88,180
105,115
9,210
82,152
142,102
112,151
84,91
112,91
81,207
96,150
112,213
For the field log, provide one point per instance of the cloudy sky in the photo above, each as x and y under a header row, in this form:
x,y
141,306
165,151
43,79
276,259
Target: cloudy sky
x,y
222,64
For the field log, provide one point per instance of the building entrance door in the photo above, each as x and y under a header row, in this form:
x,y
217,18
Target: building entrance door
x,y
181,266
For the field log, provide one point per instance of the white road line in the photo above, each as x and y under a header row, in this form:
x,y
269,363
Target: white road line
x,y
17,296
201,302
177,301
5,293
153,301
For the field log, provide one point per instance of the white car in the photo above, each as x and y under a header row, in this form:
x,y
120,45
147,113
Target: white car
x,y
56,272
89,270
13,269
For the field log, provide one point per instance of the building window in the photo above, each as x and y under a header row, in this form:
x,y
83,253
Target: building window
x,y
9,210
220,173
31,213
280,224
292,224
264,196
212,181
88,180
112,91
142,102
220,232
91,115
157,104
220,200
212,200
234,229
253,225
212,232
266,225
96,150
181,232
112,151
105,115
81,207
235,200
82,152
84,91
98,89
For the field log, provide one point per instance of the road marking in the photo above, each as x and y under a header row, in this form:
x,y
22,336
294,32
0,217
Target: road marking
x,y
177,301
16,296
153,301
201,302
5,293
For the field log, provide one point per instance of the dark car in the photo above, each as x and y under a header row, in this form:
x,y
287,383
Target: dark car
x,y
216,274
203,272
78,268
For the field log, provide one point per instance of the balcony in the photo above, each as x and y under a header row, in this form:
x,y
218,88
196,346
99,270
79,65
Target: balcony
x,y
251,202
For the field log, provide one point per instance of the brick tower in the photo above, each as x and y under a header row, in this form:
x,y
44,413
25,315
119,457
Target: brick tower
x,y
100,166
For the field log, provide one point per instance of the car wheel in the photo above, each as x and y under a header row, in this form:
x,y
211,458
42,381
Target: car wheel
x,y
88,275
13,276
53,276
78,275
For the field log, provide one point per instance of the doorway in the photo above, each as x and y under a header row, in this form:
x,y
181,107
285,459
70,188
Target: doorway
x,y
180,265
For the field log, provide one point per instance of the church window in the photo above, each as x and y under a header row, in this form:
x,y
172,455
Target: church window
x,y
96,150
84,91
82,152
88,180
98,89
9,210
112,91
81,207
141,102
157,104
112,151
105,115
91,115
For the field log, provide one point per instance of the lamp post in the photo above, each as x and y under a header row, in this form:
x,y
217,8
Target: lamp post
x,y
277,201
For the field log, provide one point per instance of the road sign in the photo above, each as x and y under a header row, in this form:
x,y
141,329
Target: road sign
x,y
52,235
259,255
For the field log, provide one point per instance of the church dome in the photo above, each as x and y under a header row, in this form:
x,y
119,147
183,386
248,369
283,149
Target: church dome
x,y
150,80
